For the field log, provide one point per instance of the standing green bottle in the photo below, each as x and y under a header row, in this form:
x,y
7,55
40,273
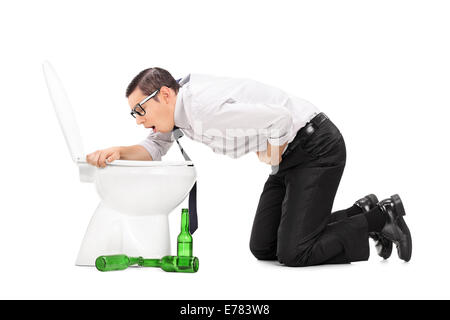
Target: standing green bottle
x,y
184,240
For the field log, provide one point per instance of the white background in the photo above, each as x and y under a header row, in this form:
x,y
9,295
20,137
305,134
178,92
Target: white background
x,y
379,69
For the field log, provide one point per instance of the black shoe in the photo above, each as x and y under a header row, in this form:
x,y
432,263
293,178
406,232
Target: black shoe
x,y
395,228
383,245
367,203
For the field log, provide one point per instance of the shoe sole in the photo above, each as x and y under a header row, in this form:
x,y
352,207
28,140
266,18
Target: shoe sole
x,y
400,209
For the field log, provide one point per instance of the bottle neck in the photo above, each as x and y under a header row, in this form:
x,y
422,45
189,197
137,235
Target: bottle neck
x,y
134,260
149,262
185,221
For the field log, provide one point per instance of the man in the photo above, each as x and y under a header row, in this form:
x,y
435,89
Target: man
x,y
293,222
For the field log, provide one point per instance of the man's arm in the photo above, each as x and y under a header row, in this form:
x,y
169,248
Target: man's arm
x,y
152,148
136,152
237,118
271,120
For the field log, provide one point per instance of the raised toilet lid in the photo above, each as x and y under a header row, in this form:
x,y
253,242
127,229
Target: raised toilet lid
x,y
64,112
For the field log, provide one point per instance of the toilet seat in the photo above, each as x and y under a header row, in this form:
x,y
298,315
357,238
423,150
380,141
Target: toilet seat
x,y
134,163
139,163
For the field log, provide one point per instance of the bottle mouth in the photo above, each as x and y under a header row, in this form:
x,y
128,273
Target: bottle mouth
x,y
195,264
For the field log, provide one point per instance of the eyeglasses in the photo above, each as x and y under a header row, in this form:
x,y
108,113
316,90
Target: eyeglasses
x,y
138,109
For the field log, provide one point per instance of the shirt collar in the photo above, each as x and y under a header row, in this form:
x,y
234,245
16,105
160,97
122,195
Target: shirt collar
x,y
185,80
180,117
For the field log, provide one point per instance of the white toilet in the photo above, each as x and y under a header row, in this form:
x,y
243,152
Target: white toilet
x,y
136,196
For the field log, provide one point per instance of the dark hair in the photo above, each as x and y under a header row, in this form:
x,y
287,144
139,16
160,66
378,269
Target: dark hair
x,y
152,79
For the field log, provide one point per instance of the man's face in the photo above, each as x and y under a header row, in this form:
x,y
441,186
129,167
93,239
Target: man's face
x,y
158,115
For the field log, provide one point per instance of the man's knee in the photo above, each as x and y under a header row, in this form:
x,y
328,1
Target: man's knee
x,y
294,257
317,251
263,254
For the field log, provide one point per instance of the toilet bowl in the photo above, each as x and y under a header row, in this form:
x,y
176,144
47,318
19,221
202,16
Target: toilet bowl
x,y
136,197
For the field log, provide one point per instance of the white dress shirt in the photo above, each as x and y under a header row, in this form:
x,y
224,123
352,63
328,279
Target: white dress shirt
x,y
233,116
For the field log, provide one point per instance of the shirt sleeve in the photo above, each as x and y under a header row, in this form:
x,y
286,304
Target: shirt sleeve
x,y
235,119
157,144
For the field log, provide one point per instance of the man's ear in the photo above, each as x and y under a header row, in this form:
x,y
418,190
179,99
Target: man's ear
x,y
165,93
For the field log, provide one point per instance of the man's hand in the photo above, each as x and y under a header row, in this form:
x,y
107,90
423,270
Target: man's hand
x,y
272,155
99,157
262,156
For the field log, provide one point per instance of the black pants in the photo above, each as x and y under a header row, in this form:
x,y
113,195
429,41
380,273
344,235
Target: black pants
x,y
293,221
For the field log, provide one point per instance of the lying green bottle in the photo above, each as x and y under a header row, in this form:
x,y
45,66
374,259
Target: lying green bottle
x,y
167,263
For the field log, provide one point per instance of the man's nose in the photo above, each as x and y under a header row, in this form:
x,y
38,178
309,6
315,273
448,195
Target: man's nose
x,y
139,119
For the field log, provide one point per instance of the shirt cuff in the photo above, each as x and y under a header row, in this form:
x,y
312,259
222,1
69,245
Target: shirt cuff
x,y
280,140
154,152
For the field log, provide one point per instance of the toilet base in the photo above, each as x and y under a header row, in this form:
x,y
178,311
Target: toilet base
x,y
111,232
